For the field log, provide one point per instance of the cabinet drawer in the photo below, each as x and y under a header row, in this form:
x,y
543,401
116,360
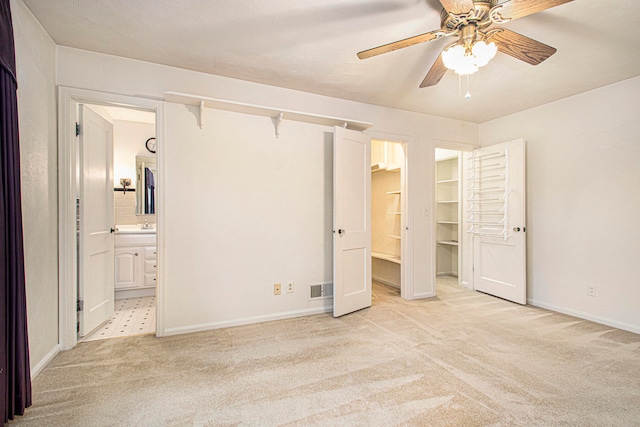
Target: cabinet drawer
x,y
150,252
150,266
149,279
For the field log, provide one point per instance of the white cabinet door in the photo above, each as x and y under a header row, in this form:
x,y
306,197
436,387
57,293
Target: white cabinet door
x,y
96,255
351,221
127,271
499,261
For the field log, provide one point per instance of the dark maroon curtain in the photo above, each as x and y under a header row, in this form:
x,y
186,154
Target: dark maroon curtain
x,y
15,375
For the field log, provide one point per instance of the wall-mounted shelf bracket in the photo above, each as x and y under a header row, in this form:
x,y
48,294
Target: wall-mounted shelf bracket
x,y
279,119
201,114
276,114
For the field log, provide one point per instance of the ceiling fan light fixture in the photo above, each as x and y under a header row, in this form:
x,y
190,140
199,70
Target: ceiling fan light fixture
x,y
457,59
467,61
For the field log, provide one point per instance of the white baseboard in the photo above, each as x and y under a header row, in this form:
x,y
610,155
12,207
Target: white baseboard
x,y
246,321
585,316
385,282
422,295
135,293
45,361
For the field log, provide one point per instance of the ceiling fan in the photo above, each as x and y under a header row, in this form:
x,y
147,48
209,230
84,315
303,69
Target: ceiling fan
x,y
477,43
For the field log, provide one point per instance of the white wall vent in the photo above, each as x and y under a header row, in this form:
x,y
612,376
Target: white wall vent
x,y
321,290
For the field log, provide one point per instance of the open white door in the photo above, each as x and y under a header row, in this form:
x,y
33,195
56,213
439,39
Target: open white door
x,y
351,221
496,218
96,241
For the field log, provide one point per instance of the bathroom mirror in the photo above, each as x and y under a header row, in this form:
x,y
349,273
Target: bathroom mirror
x,y
145,185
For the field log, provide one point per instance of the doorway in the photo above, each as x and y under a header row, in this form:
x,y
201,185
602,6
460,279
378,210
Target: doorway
x,y
70,197
479,221
448,213
129,299
388,212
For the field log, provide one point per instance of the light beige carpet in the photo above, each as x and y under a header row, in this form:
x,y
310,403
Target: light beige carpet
x,y
462,359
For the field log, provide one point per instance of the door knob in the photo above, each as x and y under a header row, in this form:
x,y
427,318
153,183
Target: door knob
x,y
516,229
341,231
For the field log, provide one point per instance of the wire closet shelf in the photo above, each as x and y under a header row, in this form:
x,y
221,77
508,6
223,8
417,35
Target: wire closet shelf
x,y
488,193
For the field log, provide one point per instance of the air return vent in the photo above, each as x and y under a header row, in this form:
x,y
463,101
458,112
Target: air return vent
x,y
321,290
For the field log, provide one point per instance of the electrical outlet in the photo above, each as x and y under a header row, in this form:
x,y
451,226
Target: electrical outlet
x,y
277,289
290,287
591,290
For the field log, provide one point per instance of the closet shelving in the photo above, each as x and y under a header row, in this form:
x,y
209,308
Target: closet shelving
x,y
386,257
447,215
397,226
386,192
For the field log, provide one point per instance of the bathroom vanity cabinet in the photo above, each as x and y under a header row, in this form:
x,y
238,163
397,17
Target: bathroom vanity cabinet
x,y
135,265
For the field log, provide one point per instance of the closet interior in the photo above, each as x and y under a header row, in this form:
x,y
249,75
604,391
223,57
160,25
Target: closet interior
x,y
448,212
387,184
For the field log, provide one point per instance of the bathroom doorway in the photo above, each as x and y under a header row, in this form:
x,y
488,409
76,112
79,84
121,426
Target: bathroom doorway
x,y
133,194
129,233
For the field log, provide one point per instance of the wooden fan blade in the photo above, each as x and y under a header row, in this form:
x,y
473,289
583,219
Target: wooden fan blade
x,y
435,74
515,9
522,47
457,6
390,47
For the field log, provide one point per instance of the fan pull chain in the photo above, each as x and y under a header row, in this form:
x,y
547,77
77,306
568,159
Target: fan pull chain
x,y
467,95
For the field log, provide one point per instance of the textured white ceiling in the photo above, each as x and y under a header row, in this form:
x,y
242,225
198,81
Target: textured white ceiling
x,y
311,45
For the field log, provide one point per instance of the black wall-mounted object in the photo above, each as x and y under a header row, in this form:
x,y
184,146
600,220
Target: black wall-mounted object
x,y
151,145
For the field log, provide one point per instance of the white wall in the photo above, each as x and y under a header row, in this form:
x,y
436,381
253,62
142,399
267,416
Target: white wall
x,y
243,211
35,55
583,204
191,226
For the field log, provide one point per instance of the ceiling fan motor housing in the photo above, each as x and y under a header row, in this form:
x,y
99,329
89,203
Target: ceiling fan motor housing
x,y
479,16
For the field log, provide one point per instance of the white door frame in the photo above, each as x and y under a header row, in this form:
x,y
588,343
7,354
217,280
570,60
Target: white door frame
x,y
466,260
68,98
406,229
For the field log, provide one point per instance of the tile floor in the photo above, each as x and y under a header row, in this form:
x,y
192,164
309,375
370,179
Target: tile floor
x,y
132,316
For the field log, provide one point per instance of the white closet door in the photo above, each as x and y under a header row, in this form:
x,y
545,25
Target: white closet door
x,y
351,221
96,275
496,218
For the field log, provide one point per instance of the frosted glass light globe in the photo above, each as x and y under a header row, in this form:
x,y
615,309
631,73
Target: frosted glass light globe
x,y
453,57
456,57
484,52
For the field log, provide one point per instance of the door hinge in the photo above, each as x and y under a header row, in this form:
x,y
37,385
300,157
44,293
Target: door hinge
x,y
77,129
80,305
78,327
